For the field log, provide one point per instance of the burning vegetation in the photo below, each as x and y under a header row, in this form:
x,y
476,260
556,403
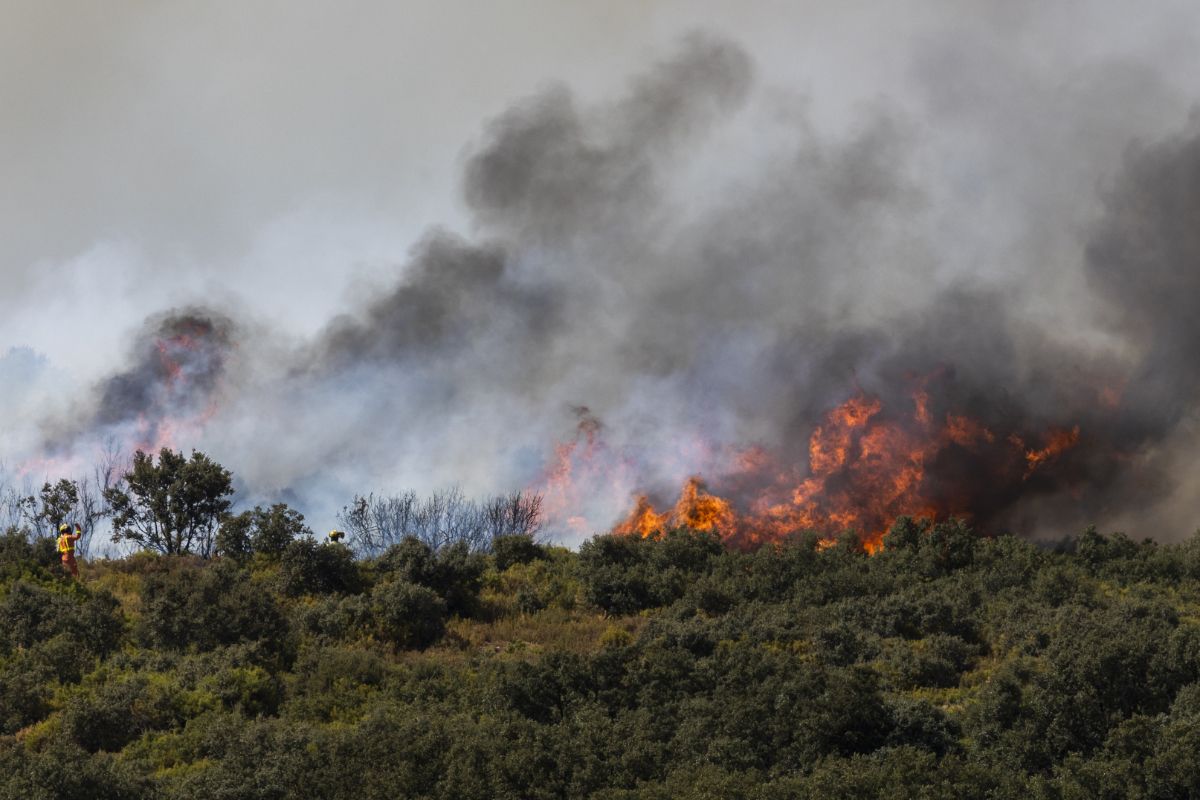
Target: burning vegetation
x,y
757,343
164,398
867,464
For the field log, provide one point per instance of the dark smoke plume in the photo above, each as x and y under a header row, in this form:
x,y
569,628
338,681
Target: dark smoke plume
x,y
177,363
178,360
617,262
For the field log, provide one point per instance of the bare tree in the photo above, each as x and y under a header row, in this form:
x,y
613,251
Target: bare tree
x,y
447,517
376,522
70,500
93,509
16,504
514,514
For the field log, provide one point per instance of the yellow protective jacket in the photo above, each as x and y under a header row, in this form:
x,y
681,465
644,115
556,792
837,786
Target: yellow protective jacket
x,y
66,543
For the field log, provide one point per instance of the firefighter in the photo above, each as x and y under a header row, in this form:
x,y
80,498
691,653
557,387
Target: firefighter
x,y
66,547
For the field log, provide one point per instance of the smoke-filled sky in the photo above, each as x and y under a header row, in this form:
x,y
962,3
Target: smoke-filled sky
x,y
412,241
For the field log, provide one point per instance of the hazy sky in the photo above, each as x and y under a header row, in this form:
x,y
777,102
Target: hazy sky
x,y
280,160
155,153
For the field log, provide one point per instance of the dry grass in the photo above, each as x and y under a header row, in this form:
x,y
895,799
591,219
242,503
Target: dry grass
x,y
527,636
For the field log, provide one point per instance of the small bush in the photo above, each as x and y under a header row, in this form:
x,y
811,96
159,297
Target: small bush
x,y
408,615
307,567
454,573
516,549
207,607
119,711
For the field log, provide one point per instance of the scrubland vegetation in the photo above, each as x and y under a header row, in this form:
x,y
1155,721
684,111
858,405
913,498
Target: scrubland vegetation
x,y
948,666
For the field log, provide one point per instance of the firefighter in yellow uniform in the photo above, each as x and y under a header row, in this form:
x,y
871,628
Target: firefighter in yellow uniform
x,y
66,547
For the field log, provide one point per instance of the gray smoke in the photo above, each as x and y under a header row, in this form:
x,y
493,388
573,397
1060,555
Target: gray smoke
x,y
705,271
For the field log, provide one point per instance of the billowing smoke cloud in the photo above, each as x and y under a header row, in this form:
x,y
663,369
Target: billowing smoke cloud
x,y
180,358
641,297
172,387
1143,259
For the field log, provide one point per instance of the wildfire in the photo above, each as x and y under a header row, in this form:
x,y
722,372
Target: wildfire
x,y
867,465
644,521
165,398
1057,441
696,509
186,367
581,467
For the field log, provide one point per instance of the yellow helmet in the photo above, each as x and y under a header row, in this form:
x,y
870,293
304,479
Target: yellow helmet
x,y
64,528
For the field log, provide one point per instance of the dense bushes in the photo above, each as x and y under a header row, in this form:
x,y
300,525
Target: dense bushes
x,y
454,573
623,574
947,666
515,549
191,606
408,615
19,554
31,614
307,567
265,531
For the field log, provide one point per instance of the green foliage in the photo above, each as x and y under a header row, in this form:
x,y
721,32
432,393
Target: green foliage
x,y
19,555
544,583
625,574
31,615
57,502
309,567
172,507
336,617
235,536
947,666
65,771
515,549
119,711
186,606
265,531
453,573
408,615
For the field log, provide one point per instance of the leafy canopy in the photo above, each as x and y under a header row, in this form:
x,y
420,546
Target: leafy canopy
x,y
173,506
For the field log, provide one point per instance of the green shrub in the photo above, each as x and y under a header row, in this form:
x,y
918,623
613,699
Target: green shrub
x,y
515,549
454,573
267,532
309,567
66,772
27,685
408,615
627,574
19,554
30,614
336,617
938,660
119,711
205,607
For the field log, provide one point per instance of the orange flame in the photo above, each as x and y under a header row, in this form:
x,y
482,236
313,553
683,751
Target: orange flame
x,y
1058,441
866,467
643,521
